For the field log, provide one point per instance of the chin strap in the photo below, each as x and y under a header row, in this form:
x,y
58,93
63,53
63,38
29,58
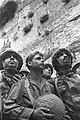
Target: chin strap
x,y
28,90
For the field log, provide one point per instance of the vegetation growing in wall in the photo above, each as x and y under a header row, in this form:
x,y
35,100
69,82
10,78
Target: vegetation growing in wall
x,y
47,32
44,18
7,12
45,1
30,14
27,28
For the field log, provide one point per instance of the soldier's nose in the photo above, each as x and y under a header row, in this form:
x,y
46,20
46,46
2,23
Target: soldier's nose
x,y
12,58
42,60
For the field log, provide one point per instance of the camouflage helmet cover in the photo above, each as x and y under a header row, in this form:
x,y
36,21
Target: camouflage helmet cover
x,y
56,55
8,53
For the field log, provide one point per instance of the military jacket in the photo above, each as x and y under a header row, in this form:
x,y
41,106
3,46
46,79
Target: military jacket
x,y
68,89
18,105
7,81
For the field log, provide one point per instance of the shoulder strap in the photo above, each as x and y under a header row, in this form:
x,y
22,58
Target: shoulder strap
x,y
56,80
28,90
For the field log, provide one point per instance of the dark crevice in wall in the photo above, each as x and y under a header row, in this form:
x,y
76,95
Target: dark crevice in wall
x,y
75,18
66,1
7,12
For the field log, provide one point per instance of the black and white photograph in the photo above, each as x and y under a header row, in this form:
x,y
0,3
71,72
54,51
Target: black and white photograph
x,y
39,59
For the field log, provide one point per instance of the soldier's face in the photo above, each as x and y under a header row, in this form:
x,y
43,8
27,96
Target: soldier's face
x,y
47,71
64,60
24,75
37,62
10,62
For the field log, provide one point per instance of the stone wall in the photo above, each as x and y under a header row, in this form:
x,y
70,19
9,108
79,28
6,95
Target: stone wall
x,y
60,29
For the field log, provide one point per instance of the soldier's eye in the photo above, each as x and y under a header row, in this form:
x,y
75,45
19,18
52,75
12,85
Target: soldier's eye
x,y
38,58
61,54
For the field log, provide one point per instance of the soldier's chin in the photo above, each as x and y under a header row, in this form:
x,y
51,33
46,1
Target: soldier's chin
x,y
42,67
11,67
66,66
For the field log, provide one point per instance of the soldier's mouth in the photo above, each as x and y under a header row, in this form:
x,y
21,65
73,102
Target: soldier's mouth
x,y
11,62
49,72
66,61
42,64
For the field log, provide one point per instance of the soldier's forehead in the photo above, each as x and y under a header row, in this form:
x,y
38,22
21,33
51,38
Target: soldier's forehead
x,y
38,55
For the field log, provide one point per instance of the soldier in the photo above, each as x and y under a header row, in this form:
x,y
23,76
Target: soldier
x,y
23,73
67,85
10,64
48,71
23,94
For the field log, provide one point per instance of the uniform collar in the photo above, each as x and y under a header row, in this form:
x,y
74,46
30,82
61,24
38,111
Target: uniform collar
x,y
43,81
16,75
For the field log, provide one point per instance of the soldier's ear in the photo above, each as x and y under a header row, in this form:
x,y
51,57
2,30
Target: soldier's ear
x,y
29,63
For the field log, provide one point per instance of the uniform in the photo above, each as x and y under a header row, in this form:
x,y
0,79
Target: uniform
x,y
18,105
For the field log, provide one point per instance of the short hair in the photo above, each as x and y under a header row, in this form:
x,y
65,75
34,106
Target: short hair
x,y
55,63
75,67
50,66
31,56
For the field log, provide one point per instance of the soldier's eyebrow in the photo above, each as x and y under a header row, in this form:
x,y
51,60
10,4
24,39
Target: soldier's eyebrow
x,y
13,55
59,55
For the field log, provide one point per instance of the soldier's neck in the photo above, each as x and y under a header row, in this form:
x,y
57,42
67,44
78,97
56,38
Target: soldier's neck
x,y
36,76
11,71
